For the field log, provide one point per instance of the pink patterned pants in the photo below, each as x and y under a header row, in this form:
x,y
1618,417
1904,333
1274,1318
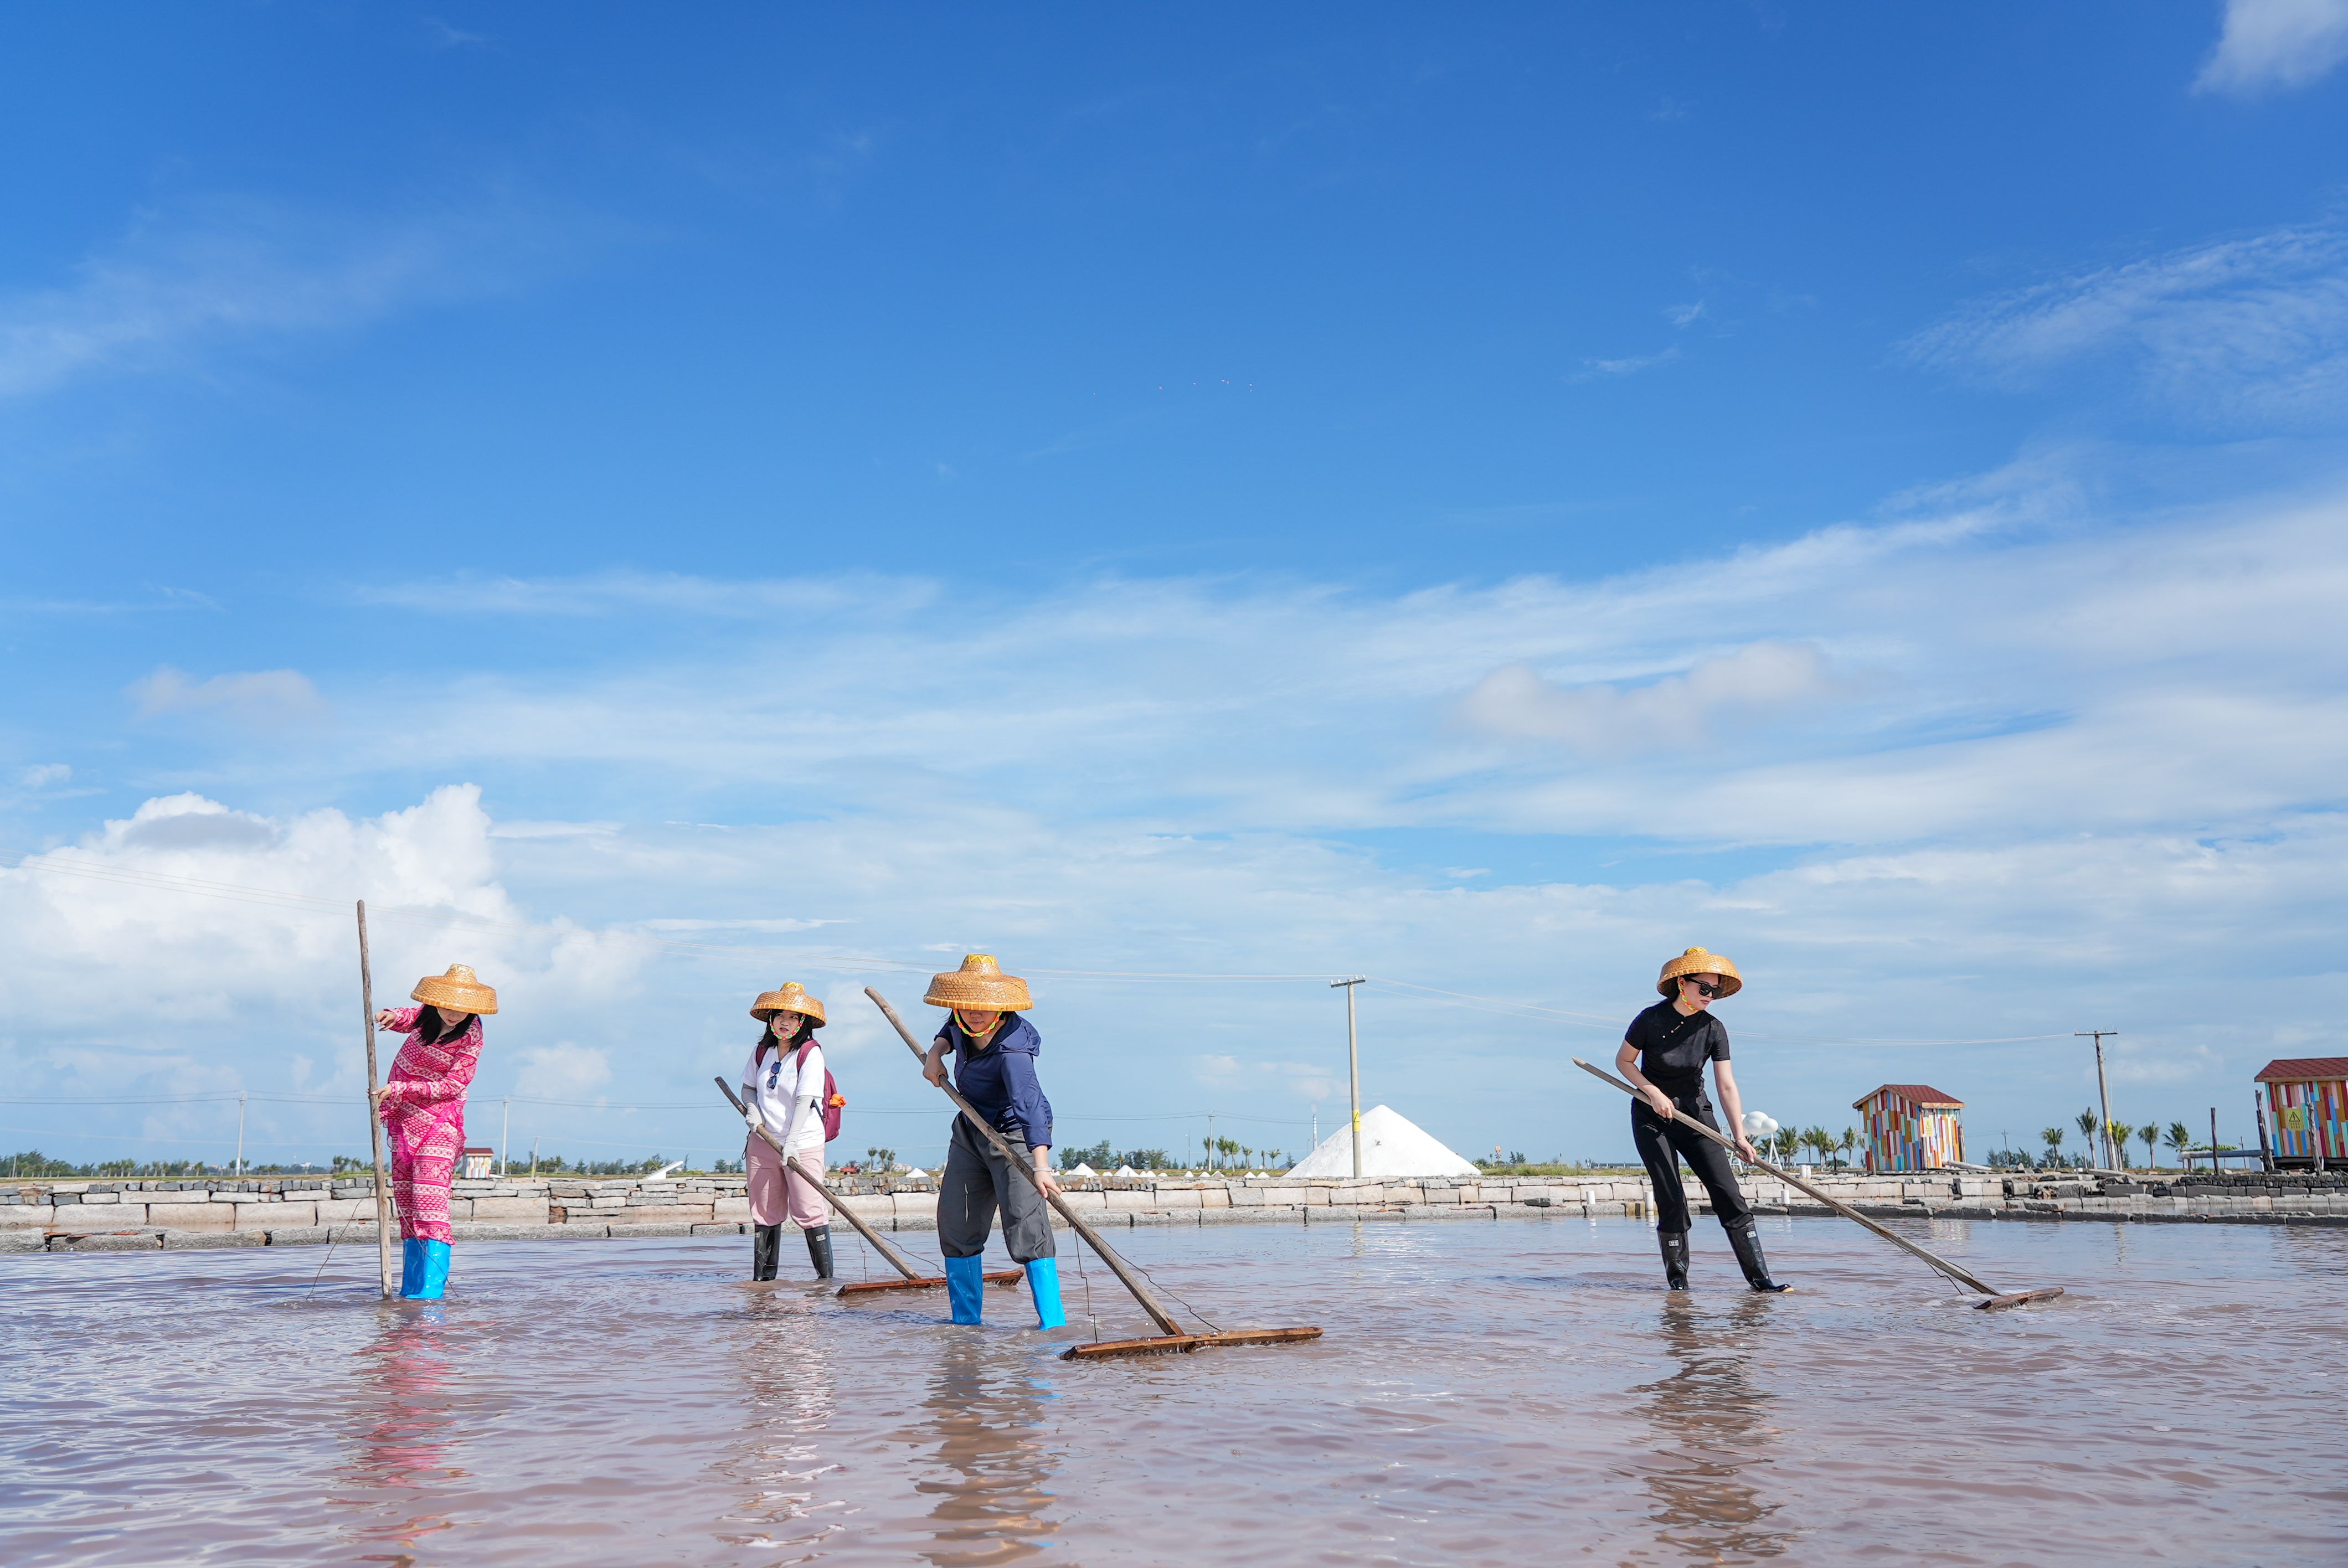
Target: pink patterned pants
x,y
423,1162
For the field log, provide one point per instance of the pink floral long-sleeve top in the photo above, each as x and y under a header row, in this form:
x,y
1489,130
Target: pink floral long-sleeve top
x,y
425,1091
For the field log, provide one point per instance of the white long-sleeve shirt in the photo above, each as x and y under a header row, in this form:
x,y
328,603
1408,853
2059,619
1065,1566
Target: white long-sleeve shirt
x,y
784,1093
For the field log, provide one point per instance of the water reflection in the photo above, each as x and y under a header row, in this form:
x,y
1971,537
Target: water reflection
x,y
1708,1432
782,1366
985,1409
409,1434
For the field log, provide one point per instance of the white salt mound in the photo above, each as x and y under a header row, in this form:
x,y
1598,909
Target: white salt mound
x,y
1392,1146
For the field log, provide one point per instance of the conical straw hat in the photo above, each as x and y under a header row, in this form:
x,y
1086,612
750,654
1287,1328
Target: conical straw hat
x,y
792,997
1696,961
459,990
979,985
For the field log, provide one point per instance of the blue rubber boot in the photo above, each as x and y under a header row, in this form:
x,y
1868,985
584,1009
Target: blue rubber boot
x,y
411,1268
1044,1285
436,1270
965,1287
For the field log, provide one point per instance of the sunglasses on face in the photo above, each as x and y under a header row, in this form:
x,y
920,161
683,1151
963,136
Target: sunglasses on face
x,y
1703,990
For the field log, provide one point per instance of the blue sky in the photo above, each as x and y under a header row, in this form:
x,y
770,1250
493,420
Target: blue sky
x,y
1484,502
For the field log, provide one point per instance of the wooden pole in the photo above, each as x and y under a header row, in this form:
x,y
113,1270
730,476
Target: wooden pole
x,y
902,1264
374,1117
1944,1264
1149,1304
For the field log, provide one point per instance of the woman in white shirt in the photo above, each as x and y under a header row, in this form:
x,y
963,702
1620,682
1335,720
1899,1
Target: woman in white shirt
x,y
782,1090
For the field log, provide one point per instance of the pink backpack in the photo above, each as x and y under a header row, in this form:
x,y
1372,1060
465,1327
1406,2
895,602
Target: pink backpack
x,y
833,1101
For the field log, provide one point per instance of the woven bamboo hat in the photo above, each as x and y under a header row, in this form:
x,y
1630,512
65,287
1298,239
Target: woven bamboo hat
x,y
1696,961
979,985
792,997
459,990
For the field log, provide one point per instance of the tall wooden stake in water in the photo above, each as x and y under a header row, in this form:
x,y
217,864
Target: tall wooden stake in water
x,y
2102,1088
1353,1062
375,1121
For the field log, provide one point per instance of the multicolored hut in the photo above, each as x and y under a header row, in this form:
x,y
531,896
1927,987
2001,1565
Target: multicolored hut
x,y
2307,1109
1912,1127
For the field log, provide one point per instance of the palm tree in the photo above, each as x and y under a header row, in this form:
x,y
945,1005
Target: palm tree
x,y
1786,1142
2180,1138
1819,1142
2085,1123
1847,1143
2117,1132
2053,1137
2150,1133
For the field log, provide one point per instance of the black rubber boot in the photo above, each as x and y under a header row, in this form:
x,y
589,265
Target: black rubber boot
x,y
1746,1243
765,1250
1675,1258
820,1250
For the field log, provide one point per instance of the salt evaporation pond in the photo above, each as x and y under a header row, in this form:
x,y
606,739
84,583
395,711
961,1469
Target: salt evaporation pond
x,y
1488,1393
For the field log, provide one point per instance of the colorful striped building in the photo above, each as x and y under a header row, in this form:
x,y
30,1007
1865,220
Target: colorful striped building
x,y
1912,1127
2307,1108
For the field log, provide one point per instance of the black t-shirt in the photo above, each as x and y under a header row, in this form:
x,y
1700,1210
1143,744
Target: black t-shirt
x,y
1672,1049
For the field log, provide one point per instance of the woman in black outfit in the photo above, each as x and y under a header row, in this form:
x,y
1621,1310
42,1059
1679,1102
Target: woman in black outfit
x,y
1663,1055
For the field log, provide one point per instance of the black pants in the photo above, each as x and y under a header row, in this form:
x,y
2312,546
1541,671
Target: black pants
x,y
1663,1144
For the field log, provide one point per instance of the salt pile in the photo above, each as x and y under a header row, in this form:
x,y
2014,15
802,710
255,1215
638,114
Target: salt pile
x,y
1392,1146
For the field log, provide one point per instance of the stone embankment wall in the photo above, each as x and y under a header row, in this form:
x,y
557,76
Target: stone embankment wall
x,y
294,1211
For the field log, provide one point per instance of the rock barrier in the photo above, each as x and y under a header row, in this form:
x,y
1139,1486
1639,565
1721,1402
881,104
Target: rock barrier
x,y
294,1211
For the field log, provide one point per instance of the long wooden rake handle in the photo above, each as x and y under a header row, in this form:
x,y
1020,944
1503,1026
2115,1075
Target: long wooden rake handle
x,y
1149,1304
904,1264
1837,1204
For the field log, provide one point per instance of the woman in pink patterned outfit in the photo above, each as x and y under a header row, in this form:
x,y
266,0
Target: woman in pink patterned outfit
x,y
422,1102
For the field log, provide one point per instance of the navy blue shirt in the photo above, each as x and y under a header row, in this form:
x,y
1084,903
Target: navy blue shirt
x,y
999,1078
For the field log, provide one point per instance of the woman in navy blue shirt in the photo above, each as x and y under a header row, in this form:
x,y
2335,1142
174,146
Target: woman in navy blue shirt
x,y
994,1052
1663,1055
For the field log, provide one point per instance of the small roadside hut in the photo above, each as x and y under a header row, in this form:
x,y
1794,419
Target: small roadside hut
x,y
2307,1109
1912,1127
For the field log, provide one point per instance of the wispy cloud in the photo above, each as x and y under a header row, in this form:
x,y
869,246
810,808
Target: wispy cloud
x,y
265,698
1515,702
1592,369
2274,45
2254,328
235,272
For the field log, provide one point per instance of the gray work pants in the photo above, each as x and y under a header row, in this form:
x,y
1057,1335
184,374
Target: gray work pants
x,y
977,1181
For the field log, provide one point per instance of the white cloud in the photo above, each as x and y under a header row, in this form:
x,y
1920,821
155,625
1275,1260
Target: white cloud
x,y
2058,746
41,776
564,1070
259,698
2244,331
232,270
1514,701
2275,44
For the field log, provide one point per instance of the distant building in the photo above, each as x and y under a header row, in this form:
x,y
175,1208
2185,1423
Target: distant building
x,y
2307,1109
477,1163
1912,1127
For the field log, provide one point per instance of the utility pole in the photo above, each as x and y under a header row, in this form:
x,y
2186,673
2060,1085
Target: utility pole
x,y
1353,1059
2102,1088
2213,1140
1210,1140
505,1141
239,1134
533,1156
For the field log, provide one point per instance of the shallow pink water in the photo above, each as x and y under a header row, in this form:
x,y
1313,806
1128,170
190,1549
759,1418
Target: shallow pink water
x,y
1507,1393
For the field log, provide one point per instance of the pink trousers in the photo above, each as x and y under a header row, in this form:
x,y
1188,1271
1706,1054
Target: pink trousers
x,y
775,1192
